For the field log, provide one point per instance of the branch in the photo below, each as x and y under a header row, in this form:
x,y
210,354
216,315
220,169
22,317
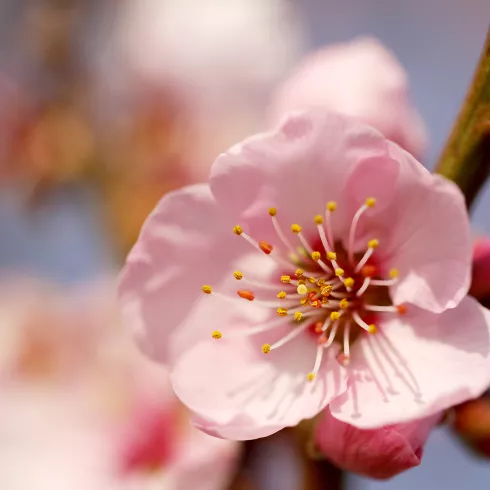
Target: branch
x,y
466,157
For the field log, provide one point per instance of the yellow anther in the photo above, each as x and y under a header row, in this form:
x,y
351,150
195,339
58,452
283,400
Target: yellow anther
x,y
216,334
237,230
281,295
299,272
286,279
272,211
207,289
316,256
325,291
298,316
302,289
301,281
370,202
394,273
238,275
331,256
372,328
324,300
311,377
266,348
339,272
331,206
321,281
319,219
303,301
344,304
312,280
282,311
295,228
348,282
373,243
335,315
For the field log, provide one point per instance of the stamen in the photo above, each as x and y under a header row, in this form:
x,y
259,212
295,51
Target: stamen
x,y
280,233
369,270
290,336
266,247
276,322
344,358
256,284
344,304
348,283
261,246
238,275
246,294
371,328
363,288
318,361
330,208
338,295
323,238
369,203
372,244
216,334
400,309
316,256
387,282
207,289
281,295
331,337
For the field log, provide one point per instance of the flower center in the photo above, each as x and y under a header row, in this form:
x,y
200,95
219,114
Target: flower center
x,y
328,290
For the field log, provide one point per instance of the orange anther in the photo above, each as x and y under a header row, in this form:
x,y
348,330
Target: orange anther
x,y
246,294
266,247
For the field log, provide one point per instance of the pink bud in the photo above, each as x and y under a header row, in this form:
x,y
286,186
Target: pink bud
x,y
376,453
480,284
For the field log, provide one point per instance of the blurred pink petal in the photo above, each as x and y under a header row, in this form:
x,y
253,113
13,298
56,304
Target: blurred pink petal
x,y
376,453
85,407
402,246
360,78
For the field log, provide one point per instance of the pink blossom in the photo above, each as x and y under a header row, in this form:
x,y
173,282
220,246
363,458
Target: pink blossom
x,y
360,308
85,408
376,453
360,78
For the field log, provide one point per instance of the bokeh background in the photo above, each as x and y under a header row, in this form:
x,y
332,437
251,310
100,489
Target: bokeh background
x,y
105,105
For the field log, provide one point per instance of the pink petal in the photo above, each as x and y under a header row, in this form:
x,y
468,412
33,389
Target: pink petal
x,y
375,453
297,168
203,462
416,366
237,392
360,78
186,242
434,272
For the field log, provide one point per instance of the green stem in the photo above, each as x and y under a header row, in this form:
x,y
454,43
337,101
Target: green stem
x,y
466,157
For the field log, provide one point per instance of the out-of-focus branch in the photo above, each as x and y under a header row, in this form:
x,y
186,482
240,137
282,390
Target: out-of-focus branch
x,y
466,157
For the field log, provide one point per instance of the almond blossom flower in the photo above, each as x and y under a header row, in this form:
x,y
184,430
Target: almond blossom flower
x,y
377,453
333,270
84,408
360,78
